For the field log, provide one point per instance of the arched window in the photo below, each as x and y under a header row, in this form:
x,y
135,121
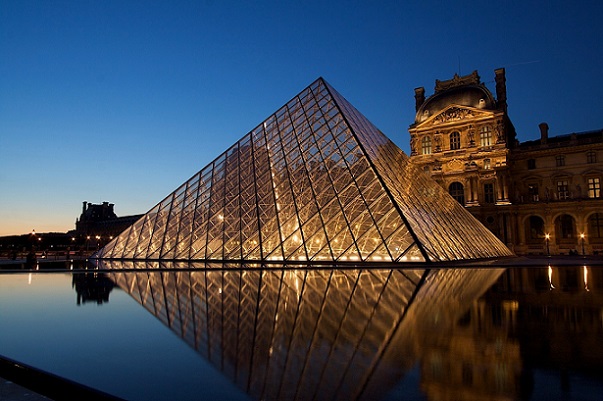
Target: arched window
x,y
565,227
535,229
485,136
458,192
455,141
595,225
426,145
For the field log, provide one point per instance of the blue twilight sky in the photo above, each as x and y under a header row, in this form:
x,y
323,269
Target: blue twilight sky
x,y
122,101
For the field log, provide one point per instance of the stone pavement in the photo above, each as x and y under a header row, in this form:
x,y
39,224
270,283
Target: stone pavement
x,y
10,391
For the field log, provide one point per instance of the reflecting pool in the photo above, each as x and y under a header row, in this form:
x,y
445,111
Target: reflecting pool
x,y
145,331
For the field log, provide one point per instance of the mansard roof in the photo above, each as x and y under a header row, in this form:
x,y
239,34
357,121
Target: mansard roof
x,y
315,181
465,90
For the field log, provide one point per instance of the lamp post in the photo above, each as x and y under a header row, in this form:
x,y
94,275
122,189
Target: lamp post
x,y
582,240
546,239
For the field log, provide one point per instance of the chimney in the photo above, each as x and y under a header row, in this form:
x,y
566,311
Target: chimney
x,y
84,206
419,97
544,132
501,88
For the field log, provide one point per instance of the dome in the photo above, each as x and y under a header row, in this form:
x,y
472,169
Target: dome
x,y
477,96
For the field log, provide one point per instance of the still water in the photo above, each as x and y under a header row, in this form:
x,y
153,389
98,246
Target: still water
x,y
143,333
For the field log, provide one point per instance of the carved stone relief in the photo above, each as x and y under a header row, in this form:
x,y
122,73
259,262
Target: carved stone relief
x,y
452,114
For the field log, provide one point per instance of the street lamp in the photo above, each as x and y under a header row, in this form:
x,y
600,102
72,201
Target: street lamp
x,y
582,240
547,238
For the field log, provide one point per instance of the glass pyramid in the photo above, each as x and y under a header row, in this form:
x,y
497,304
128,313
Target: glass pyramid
x,y
316,181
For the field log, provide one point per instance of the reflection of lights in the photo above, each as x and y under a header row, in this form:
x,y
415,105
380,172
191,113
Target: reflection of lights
x,y
510,305
585,273
551,286
29,279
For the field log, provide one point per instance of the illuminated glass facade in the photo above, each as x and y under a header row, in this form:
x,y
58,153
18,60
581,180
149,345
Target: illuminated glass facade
x,y
316,181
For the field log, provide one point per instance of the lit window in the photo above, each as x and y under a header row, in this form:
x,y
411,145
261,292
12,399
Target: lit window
x,y
487,165
458,192
489,193
594,187
591,157
560,160
485,136
562,189
455,141
426,145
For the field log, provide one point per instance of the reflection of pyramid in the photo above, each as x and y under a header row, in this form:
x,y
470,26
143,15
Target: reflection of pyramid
x,y
316,181
299,334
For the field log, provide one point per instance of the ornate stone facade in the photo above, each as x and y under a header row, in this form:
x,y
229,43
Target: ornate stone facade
x,y
539,197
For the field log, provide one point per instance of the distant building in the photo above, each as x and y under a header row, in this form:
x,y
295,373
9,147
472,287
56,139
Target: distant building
x,y
101,220
538,197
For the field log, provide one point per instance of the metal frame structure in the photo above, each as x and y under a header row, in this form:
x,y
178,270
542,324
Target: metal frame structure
x,y
314,182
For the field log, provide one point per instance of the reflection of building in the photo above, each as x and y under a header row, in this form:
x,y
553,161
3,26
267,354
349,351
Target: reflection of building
x,y
532,320
555,314
463,138
101,220
316,181
92,287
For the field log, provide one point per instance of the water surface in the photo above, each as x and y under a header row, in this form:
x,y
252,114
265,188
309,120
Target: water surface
x,y
413,334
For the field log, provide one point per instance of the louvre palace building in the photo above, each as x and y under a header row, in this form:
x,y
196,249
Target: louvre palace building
x,y
538,197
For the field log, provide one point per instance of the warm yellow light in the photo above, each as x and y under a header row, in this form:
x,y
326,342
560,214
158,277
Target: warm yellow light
x,y
547,236
582,235
551,286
